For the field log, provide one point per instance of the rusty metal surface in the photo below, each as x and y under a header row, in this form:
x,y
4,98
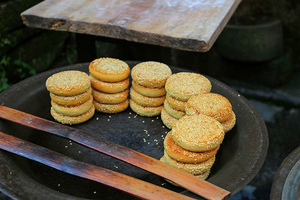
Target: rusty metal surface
x,y
239,159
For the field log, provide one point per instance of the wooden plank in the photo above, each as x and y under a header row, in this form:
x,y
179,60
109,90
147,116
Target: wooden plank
x,y
133,186
181,24
182,178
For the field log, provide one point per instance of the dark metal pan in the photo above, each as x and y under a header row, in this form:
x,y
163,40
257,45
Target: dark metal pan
x,y
239,159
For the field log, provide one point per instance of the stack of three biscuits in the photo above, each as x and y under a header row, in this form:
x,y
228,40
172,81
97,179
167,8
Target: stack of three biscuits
x,y
193,143
180,87
109,79
147,93
71,99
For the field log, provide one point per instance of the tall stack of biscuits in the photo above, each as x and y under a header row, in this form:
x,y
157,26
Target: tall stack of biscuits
x,y
212,105
193,143
71,99
109,79
180,87
147,93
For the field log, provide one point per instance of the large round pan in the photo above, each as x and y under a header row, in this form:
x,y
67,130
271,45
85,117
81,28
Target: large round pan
x,y
239,159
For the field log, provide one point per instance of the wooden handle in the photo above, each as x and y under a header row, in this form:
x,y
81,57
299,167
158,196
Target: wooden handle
x,y
63,163
184,179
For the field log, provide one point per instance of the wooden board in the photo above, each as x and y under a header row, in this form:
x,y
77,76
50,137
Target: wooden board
x,y
190,25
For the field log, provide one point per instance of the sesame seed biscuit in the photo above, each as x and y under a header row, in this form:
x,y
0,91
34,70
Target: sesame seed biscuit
x,y
198,133
195,169
110,88
177,104
68,83
146,111
107,98
146,101
182,155
172,111
183,85
72,100
151,74
111,108
149,92
72,119
167,119
229,123
203,176
109,69
73,110
210,104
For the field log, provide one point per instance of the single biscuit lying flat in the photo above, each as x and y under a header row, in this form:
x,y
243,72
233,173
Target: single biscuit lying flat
x,y
111,108
210,104
179,105
198,133
72,100
229,123
151,74
109,69
72,119
149,92
107,87
182,155
167,119
73,110
146,101
107,98
183,85
146,111
68,83
194,169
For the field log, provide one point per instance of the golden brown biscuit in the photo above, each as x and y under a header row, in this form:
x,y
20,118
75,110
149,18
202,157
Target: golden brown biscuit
x,y
172,111
146,101
149,92
210,104
167,119
111,108
151,74
109,69
177,104
183,85
72,100
203,175
68,83
229,123
107,87
182,155
198,133
146,111
107,98
73,110
72,119
195,169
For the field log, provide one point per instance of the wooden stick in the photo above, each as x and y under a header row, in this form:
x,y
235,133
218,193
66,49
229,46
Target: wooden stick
x,y
66,164
184,179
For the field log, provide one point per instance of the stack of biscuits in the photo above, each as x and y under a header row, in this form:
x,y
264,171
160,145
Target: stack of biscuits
x,y
193,143
180,87
109,79
212,105
147,93
71,99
